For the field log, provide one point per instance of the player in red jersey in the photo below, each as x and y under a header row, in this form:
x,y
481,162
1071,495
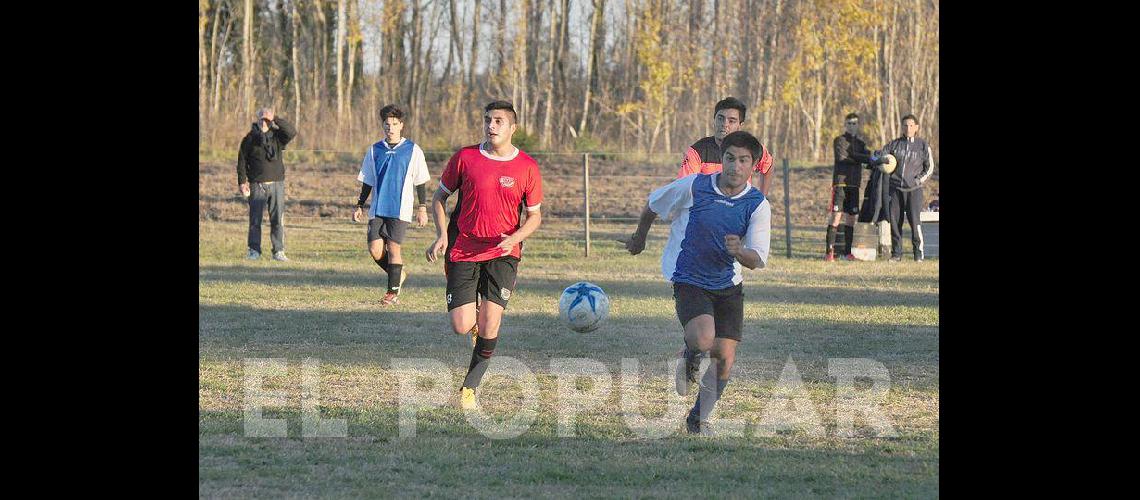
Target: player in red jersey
x,y
494,177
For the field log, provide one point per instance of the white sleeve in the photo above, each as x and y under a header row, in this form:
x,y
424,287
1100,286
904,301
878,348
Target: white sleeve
x,y
759,233
367,174
669,200
420,172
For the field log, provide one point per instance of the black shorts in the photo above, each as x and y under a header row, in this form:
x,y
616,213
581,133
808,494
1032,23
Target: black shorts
x,y
725,306
493,279
845,199
388,228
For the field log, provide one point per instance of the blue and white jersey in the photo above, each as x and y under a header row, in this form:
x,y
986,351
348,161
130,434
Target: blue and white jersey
x,y
392,171
702,216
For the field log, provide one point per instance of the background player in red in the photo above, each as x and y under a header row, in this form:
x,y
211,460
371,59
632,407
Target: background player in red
x,y
703,157
494,177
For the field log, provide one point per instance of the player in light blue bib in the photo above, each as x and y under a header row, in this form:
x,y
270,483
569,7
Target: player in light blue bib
x,y
719,223
390,169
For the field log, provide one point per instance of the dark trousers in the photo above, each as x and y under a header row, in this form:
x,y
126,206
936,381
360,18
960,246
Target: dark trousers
x,y
273,196
906,206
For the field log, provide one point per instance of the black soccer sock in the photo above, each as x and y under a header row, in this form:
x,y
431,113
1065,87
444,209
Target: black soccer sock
x,y
394,277
480,359
850,238
383,262
831,238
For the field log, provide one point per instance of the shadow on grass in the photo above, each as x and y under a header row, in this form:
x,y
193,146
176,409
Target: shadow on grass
x,y
229,333
449,457
754,292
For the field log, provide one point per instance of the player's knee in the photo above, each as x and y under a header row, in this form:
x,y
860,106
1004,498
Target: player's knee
x,y
376,248
459,326
705,342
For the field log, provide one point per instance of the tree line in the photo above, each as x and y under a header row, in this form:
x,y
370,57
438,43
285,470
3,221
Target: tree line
x,y
624,76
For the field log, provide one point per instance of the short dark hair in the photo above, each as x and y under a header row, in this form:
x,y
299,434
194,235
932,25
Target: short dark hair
x,y
742,139
503,105
391,111
731,103
910,117
851,116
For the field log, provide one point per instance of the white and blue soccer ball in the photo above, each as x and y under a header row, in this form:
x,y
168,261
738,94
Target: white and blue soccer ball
x,y
583,306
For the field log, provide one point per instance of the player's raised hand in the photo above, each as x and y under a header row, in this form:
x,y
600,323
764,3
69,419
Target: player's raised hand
x,y
437,248
732,244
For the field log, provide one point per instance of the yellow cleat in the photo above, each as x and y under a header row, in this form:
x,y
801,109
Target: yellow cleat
x,y
467,398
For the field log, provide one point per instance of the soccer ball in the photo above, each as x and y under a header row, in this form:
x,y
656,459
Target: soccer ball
x,y
583,306
888,164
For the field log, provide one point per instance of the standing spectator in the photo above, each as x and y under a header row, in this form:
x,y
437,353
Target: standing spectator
x,y
850,155
915,165
261,179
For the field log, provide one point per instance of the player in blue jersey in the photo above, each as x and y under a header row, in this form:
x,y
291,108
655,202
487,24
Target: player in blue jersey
x,y
719,223
389,170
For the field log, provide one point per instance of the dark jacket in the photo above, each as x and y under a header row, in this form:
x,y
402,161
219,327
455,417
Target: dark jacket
x,y
915,163
876,199
850,153
259,156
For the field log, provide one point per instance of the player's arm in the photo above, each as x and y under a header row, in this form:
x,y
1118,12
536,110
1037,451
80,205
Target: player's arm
x,y
421,205
439,214
765,182
752,251
285,130
764,167
365,190
877,156
420,179
533,220
927,166
691,164
839,147
367,179
532,193
243,170
636,241
746,256
861,154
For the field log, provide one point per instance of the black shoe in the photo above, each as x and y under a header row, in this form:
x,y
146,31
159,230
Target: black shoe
x,y
896,258
692,425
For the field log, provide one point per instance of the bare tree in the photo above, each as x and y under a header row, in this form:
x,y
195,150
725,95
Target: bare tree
x,y
296,63
340,36
596,20
247,57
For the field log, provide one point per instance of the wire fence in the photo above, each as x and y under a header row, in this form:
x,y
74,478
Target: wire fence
x,y
590,194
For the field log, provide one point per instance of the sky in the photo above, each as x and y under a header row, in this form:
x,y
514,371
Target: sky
x,y
577,36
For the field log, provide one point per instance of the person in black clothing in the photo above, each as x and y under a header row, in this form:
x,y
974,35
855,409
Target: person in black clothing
x,y
851,154
915,165
261,179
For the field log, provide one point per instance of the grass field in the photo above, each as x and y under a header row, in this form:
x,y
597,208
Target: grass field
x,y
324,305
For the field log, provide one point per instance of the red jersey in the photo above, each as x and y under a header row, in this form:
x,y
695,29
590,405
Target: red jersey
x,y
703,157
492,189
